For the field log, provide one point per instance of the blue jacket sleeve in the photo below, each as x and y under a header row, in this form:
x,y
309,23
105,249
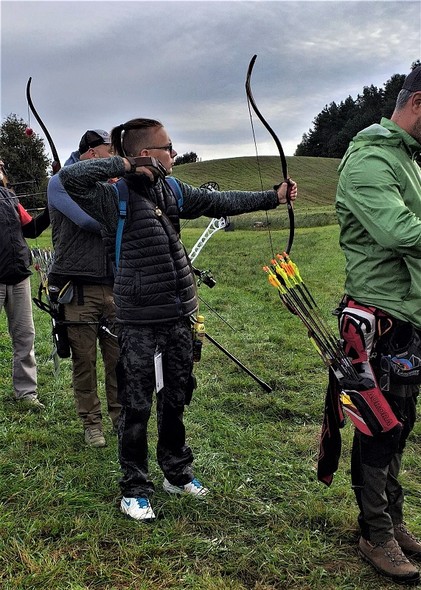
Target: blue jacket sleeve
x,y
59,199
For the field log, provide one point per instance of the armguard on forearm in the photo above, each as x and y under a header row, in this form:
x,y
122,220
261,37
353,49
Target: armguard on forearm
x,y
35,227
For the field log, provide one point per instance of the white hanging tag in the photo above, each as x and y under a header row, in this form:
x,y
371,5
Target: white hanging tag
x,y
159,376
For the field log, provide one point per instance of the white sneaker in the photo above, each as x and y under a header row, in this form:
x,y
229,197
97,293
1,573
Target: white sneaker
x,y
194,488
137,508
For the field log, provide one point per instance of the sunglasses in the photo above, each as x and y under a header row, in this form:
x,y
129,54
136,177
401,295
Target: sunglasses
x,y
167,148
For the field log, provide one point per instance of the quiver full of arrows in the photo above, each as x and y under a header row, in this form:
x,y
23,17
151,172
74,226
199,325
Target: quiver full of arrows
x,y
359,394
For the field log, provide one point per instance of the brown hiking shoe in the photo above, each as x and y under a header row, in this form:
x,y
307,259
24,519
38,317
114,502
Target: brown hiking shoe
x,y
407,541
387,558
94,437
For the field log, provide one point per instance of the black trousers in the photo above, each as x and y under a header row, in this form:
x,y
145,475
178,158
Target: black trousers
x,y
136,384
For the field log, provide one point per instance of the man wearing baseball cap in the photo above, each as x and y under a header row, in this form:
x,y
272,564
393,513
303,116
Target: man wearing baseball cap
x,y
80,257
95,143
378,203
413,80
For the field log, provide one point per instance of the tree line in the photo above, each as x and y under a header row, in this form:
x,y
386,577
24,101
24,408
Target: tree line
x,y
26,162
337,124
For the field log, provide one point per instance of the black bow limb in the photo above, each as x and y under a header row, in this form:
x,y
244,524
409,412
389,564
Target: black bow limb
x,y
56,165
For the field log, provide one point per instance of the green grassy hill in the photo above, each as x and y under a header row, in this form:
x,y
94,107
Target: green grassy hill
x,y
316,177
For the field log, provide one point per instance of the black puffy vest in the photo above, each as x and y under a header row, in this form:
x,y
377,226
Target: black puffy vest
x,y
79,253
154,281
15,256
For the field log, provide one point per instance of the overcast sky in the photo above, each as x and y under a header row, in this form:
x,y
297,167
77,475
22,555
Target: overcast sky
x,y
100,63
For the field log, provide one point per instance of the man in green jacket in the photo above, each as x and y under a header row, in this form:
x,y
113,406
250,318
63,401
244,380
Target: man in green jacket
x,y
379,210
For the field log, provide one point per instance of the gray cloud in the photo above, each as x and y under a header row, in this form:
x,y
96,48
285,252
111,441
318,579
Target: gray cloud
x,y
98,64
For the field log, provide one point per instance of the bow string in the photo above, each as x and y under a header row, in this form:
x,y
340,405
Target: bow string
x,y
285,276
44,258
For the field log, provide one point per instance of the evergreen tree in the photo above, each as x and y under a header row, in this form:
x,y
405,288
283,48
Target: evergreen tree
x,y
186,158
25,162
336,125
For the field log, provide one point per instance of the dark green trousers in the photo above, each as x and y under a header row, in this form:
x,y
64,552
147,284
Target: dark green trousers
x,y
375,466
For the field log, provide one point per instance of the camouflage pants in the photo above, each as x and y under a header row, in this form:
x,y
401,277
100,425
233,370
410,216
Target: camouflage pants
x,y
136,384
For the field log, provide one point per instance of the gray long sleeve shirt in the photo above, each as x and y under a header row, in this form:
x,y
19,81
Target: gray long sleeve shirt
x,y
86,183
153,282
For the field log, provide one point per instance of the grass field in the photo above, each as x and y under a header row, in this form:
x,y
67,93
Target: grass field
x,y
317,178
268,524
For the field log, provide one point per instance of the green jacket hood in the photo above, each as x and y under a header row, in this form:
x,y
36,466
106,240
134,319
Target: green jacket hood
x,y
387,133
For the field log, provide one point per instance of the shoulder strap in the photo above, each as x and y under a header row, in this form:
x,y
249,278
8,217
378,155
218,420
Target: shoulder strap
x,y
175,187
123,196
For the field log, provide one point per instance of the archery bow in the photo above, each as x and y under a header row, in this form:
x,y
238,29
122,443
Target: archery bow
x,y
213,226
43,259
56,165
252,103
284,275
205,276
